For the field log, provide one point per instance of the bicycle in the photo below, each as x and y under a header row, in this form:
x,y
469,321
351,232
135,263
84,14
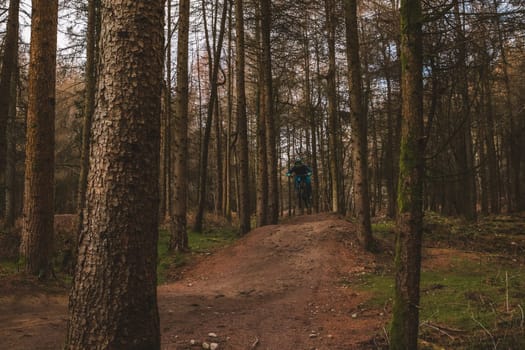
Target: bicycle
x,y
304,199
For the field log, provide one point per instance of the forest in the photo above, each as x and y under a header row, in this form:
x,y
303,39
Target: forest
x,y
148,146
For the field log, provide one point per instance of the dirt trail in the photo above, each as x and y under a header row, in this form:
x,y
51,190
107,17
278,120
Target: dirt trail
x,y
280,287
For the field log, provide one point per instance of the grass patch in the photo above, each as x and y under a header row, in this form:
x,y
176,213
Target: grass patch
x,y
476,297
200,243
384,229
8,267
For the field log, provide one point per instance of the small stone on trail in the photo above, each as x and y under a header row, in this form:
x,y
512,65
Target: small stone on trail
x,y
205,345
214,346
212,335
313,335
193,342
354,315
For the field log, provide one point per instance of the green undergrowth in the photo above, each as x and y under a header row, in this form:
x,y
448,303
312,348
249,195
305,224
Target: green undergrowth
x,y
8,267
474,300
200,243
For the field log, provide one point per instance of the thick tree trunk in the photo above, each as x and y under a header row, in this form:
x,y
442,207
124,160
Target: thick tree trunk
x,y
113,303
243,205
358,120
37,230
179,135
405,318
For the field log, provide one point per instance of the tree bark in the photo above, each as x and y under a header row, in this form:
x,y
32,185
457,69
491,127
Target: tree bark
x,y
405,317
333,131
10,166
310,116
262,154
165,128
243,205
226,180
268,110
37,229
8,72
92,32
113,302
358,120
179,148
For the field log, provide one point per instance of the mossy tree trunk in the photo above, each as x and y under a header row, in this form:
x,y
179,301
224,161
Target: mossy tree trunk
x,y
113,301
405,318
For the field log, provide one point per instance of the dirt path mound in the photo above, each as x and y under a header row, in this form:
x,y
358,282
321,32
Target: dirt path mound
x,y
279,287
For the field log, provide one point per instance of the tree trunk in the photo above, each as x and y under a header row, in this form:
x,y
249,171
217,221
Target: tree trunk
x,y
8,72
37,230
219,161
333,117
226,180
203,173
358,121
165,128
405,317
92,32
10,167
243,205
262,155
310,117
113,302
467,185
488,124
268,110
179,132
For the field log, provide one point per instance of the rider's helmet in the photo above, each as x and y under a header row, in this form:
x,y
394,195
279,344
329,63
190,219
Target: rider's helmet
x,y
298,161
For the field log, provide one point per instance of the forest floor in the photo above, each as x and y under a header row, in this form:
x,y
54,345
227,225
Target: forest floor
x,y
303,284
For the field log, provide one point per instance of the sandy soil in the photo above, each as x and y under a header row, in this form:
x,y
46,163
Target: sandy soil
x,y
281,287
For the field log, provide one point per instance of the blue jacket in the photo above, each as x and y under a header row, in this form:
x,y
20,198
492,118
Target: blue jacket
x,y
300,172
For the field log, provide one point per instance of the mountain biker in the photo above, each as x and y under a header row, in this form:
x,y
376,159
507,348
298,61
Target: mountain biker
x,y
302,173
